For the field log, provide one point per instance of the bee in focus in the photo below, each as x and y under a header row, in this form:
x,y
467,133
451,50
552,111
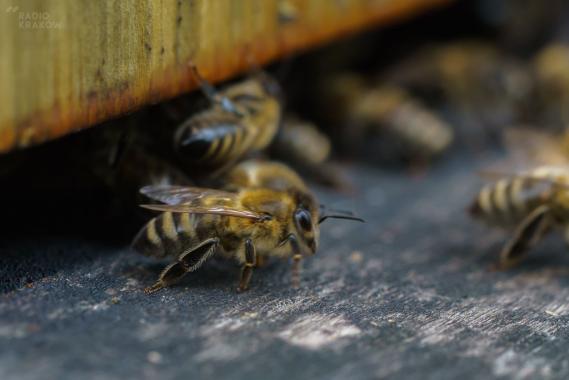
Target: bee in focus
x,y
243,118
406,128
533,202
264,211
300,144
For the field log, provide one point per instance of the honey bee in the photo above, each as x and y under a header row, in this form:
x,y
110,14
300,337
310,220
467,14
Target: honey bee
x,y
265,211
534,202
243,118
300,144
407,128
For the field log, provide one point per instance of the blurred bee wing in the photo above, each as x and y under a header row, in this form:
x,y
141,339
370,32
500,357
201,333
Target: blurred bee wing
x,y
215,210
495,175
530,147
177,195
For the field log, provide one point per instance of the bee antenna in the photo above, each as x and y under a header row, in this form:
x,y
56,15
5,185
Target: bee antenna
x,y
341,212
339,216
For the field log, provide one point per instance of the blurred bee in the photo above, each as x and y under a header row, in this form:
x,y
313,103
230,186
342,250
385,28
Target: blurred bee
x,y
265,211
301,141
242,119
300,144
551,69
481,84
407,129
534,202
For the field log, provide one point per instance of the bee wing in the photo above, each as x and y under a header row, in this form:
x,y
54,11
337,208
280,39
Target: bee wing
x,y
531,147
181,199
215,210
496,174
177,195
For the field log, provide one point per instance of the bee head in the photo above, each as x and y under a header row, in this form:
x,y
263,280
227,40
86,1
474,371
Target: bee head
x,y
308,231
305,222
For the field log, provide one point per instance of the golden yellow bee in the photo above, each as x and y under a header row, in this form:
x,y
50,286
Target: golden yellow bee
x,y
265,211
534,202
390,112
243,118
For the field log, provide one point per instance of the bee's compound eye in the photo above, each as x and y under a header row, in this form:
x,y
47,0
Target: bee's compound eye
x,y
303,219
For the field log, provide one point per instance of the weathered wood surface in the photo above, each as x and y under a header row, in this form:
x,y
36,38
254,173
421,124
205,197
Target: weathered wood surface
x,y
67,64
409,295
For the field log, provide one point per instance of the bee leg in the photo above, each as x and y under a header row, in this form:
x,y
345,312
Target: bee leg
x,y
527,234
188,261
247,271
296,269
296,261
211,93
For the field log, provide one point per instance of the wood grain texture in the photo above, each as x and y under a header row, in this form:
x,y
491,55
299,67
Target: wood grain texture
x,y
68,64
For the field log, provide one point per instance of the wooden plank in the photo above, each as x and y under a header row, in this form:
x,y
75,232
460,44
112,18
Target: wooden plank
x,y
67,64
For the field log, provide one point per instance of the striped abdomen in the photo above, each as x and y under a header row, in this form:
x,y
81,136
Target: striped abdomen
x,y
408,123
169,234
421,130
302,142
212,139
509,200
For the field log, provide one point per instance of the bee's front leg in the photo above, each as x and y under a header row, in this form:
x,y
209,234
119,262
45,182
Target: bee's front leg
x,y
247,271
296,261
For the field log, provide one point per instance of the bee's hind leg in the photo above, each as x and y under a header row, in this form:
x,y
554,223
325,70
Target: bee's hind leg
x,y
296,261
296,269
188,261
247,271
527,234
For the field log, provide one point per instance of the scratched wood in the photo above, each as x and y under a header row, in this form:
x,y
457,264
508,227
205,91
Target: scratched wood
x,y
408,295
67,64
